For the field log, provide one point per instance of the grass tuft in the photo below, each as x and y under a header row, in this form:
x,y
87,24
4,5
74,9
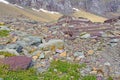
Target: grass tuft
x,y
6,54
4,33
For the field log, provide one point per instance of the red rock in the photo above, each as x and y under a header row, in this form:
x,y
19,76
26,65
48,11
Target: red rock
x,y
18,62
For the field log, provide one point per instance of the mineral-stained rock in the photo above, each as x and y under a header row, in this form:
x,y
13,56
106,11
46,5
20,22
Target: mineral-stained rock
x,y
18,62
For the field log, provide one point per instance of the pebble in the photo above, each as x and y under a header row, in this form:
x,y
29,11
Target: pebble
x,y
79,54
107,64
86,35
63,54
42,56
35,58
90,52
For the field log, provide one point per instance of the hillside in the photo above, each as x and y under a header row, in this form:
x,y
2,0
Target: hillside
x,y
98,7
17,11
13,11
90,16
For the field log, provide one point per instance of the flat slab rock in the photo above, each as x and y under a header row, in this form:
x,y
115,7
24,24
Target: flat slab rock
x,y
17,62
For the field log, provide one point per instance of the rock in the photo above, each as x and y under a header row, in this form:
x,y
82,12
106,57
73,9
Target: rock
x,y
1,79
21,43
14,39
52,45
114,40
35,58
2,56
18,62
42,56
12,51
36,53
93,72
90,52
63,54
85,35
16,47
19,49
12,46
2,23
59,50
41,70
107,64
33,40
4,28
2,47
79,54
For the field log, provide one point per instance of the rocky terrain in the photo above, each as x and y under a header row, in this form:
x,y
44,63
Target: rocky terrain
x,y
76,40
99,7
47,45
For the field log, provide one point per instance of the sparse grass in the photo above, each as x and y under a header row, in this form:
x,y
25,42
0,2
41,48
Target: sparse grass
x,y
4,33
110,78
89,77
29,74
6,54
61,70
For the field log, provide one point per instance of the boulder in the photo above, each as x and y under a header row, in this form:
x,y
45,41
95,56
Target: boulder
x,y
32,40
18,62
52,45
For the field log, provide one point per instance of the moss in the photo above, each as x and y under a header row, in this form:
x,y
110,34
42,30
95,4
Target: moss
x,y
4,33
6,54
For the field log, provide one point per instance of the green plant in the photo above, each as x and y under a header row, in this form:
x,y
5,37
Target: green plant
x,y
110,78
62,70
29,74
89,77
4,33
6,54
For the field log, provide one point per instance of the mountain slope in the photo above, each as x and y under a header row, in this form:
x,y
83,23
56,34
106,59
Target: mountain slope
x,y
90,16
13,11
42,15
99,7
